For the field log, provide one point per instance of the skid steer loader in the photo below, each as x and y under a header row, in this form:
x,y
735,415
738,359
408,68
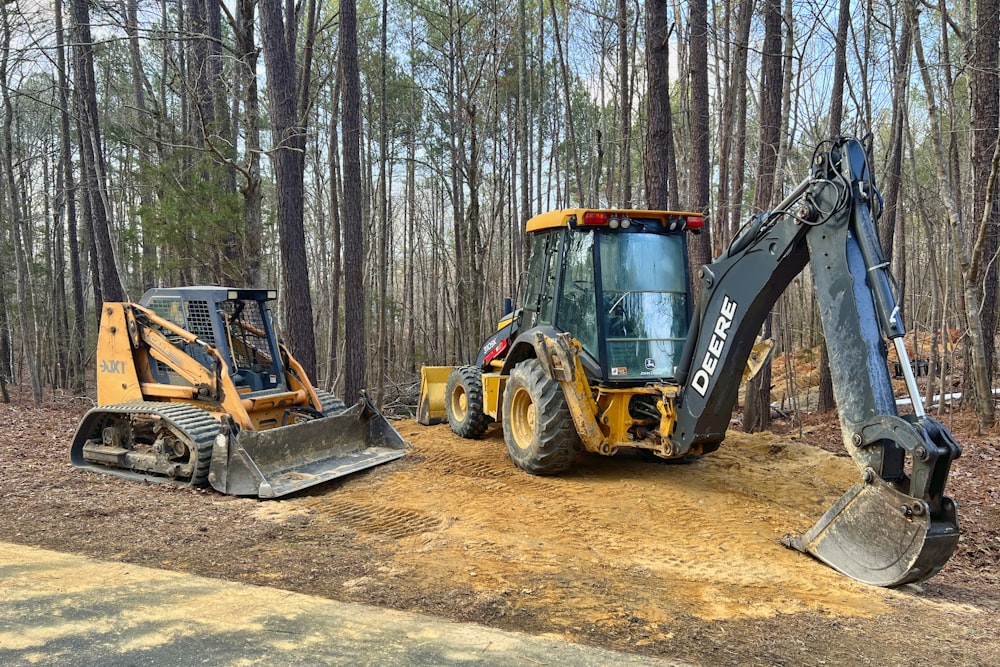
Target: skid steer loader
x,y
607,351
194,388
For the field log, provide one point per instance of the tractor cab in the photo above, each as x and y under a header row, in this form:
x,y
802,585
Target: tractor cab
x,y
617,281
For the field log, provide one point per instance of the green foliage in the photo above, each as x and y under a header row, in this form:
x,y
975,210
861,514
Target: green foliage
x,y
195,223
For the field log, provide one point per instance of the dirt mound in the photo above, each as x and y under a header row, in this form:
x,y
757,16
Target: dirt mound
x,y
614,536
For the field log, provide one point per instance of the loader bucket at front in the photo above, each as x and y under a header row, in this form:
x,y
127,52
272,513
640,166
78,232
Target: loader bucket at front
x,y
433,380
274,463
879,536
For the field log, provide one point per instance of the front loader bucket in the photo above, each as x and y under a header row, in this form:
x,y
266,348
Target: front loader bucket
x,y
274,463
880,536
430,409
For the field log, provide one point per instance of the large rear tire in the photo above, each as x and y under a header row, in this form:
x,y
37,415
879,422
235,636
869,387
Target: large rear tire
x,y
537,425
463,402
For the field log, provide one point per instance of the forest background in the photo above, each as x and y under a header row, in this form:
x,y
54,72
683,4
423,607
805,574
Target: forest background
x,y
376,163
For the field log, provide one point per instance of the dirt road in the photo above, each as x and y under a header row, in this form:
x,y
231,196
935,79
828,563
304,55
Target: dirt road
x,y
674,560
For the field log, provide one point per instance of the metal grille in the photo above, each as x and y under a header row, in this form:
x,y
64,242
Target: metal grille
x,y
169,308
199,321
248,333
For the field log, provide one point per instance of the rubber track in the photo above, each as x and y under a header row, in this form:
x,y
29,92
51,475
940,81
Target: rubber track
x,y
195,424
329,404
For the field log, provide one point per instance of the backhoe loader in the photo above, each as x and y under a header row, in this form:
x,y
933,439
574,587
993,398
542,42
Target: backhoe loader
x,y
607,351
194,388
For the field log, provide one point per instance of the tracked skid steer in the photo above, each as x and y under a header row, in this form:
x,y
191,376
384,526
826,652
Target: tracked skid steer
x,y
194,388
608,352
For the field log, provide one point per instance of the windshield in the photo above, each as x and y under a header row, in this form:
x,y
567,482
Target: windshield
x,y
644,303
252,357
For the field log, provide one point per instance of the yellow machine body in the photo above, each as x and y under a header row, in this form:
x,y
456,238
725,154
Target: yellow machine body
x,y
219,401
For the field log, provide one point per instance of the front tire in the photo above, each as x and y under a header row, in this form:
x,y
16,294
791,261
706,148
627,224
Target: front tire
x,y
537,425
463,402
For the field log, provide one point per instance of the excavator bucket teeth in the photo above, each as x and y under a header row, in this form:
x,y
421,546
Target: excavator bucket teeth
x,y
275,463
880,536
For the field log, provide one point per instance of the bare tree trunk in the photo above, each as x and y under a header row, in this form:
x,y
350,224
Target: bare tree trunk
x,y
288,88
969,263
659,127
726,125
625,94
79,338
354,257
92,160
839,68
25,300
382,343
142,144
523,141
411,240
574,148
5,369
825,401
740,57
336,236
893,175
757,411
700,246
985,121
252,194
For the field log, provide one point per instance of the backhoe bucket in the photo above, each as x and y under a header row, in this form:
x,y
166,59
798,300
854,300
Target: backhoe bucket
x,y
274,463
879,536
430,409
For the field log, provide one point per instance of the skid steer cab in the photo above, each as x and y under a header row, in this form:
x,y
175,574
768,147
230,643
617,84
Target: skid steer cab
x,y
194,388
607,351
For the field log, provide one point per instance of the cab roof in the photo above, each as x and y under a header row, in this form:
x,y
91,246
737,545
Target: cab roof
x,y
569,217
209,293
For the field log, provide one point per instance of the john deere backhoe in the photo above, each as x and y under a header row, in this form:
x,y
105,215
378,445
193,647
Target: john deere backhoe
x,y
607,351
194,388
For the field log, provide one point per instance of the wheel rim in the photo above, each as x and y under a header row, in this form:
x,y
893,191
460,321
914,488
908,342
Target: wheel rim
x,y
522,418
459,403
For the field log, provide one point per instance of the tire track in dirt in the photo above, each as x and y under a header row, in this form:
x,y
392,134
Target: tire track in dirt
x,y
392,522
614,538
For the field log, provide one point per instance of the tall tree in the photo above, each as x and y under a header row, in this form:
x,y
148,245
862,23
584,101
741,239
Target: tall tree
x,y
757,410
625,95
336,235
738,82
985,121
382,279
354,252
969,262
66,196
243,27
288,88
567,97
700,247
659,162
523,138
93,167
15,209
825,400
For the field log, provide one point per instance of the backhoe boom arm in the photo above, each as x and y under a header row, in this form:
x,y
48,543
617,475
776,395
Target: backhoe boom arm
x,y
828,222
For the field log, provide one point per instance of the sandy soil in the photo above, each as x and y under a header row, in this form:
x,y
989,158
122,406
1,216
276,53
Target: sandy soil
x,y
674,560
